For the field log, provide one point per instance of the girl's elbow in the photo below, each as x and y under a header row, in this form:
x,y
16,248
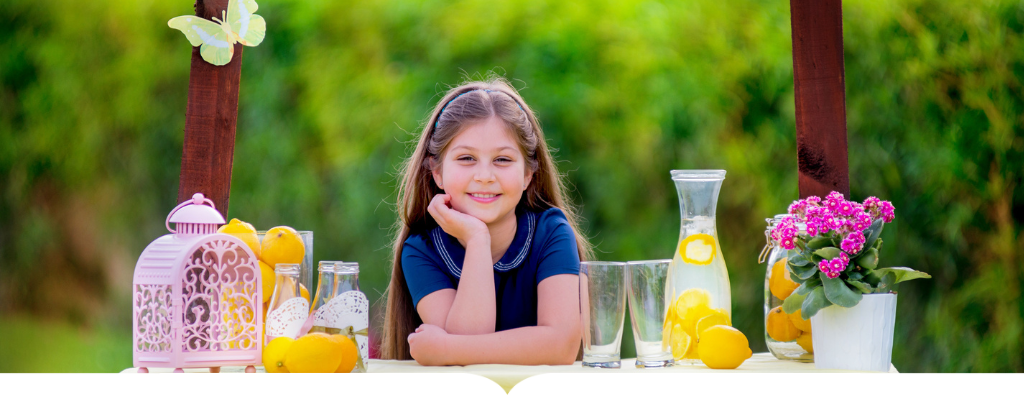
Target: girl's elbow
x,y
570,348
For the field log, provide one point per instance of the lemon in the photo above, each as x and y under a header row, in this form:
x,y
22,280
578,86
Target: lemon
x,y
723,347
780,283
799,322
691,306
779,327
282,244
680,342
697,249
267,273
670,317
666,336
350,353
691,298
314,353
236,314
274,354
719,317
805,341
263,333
243,231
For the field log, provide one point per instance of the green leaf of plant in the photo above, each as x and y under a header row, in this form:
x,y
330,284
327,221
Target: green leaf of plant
x,y
814,302
868,259
793,302
819,242
854,275
828,252
808,285
873,231
904,274
799,260
837,292
878,245
872,277
886,283
804,272
861,286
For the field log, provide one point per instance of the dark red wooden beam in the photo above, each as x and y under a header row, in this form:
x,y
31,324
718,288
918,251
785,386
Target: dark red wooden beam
x,y
210,120
820,88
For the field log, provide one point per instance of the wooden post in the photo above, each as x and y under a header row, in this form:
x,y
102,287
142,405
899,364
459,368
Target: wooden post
x,y
819,85
210,121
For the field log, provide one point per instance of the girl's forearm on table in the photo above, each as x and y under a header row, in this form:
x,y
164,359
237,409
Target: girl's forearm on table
x,y
532,345
473,311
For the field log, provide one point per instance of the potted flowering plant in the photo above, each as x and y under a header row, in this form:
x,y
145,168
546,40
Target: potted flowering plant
x,y
850,301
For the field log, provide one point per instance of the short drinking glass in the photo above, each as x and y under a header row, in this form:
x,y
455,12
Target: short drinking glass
x,y
647,309
602,311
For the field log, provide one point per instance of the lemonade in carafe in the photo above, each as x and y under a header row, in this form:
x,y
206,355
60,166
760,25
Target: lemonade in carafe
x,y
699,293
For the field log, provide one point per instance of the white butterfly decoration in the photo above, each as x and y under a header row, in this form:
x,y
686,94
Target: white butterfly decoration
x,y
237,25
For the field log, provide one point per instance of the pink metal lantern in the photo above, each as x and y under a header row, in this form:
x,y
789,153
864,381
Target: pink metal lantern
x,y
197,296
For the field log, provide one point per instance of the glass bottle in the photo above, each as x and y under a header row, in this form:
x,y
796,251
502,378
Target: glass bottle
x,y
325,291
787,336
700,293
288,310
356,327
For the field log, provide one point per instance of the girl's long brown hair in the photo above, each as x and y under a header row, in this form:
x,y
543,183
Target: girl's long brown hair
x,y
463,106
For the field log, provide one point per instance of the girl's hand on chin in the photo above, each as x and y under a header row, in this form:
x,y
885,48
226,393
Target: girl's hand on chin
x,y
428,345
464,227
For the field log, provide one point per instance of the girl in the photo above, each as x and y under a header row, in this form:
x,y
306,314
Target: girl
x,y
487,254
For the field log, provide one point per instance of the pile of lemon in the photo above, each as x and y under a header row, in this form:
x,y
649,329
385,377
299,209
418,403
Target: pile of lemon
x,y
281,244
782,326
694,330
313,353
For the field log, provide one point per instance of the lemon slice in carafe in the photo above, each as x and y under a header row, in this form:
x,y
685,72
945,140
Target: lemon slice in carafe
x,y
697,249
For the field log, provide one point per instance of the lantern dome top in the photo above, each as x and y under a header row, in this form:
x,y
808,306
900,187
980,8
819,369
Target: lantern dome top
x,y
198,210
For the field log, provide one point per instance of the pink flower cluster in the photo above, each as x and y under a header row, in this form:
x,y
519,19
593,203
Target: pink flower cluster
x,y
853,242
880,208
834,214
833,267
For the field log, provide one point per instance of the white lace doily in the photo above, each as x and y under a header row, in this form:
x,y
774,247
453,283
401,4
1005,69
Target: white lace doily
x,y
288,318
347,309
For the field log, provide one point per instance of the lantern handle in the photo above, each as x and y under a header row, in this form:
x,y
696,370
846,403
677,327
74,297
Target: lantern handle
x,y
197,199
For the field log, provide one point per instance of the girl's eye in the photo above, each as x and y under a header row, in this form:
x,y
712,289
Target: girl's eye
x,y
465,158
503,159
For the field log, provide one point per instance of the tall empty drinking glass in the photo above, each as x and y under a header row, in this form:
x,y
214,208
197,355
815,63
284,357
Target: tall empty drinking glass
x,y
602,310
648,305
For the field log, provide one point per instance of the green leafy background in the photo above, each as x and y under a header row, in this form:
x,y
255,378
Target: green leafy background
x,y
92,110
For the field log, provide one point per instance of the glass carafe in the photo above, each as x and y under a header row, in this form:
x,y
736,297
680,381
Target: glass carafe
x,y
787,336
700,294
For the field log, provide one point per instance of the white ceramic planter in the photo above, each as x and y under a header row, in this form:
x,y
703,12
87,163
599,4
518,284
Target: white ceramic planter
x,y
857,338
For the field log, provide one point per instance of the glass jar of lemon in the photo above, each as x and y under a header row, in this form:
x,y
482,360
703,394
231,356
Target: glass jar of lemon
x,y
787,335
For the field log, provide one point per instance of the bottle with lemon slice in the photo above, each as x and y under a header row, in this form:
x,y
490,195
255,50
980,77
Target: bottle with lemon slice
x,y
787,335
699,289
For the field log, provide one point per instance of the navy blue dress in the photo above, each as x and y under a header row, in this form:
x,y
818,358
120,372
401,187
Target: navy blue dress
x,y
544,246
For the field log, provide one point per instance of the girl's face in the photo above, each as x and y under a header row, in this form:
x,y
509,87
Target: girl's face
x,y
484,172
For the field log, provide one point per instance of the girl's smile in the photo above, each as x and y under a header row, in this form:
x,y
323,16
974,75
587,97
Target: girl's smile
x,y
484,198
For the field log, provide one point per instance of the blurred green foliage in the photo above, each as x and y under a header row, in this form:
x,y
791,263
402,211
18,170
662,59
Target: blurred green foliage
x,y
92,110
